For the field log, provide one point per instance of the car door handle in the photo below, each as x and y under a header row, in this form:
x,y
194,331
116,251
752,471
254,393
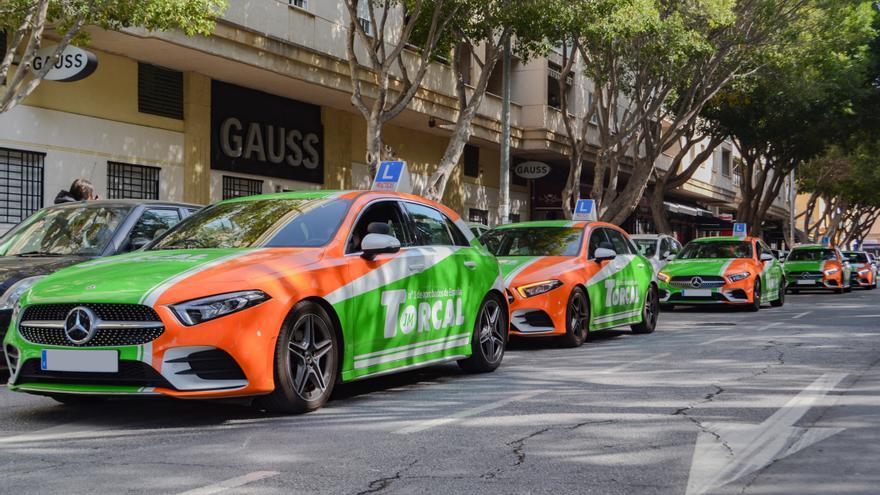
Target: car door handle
x,y
470,264
417,267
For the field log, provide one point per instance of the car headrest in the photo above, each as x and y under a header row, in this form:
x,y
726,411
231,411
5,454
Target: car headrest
x,y
379,228
606,245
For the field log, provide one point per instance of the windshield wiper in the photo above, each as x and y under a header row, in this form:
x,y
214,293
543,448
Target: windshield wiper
x,y
36,254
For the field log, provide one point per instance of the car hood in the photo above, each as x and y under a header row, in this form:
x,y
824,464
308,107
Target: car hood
x,y
705,267
518,270
15,268
142,277
804,266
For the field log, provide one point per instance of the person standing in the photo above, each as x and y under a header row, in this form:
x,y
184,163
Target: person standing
x,y
80,190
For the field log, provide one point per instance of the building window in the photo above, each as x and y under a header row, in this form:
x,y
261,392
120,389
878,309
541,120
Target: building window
x,y
478,216
126,181
363,14
471,160
236,187
514,217
21,184
725,163
554,97
160,91
302,4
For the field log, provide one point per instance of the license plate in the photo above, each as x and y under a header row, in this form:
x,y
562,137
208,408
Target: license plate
x,y
697,292
806,282
83,361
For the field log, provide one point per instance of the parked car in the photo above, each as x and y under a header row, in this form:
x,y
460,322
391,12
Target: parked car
x,y
70,233
275,296
478,229
723,270
660,249
817,266
566,279
863,273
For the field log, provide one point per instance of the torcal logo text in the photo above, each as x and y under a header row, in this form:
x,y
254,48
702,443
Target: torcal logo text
x,y
443,312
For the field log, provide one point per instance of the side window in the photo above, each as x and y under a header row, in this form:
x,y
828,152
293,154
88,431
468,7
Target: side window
x,y
618,241
676,246
665,246
153,221
387,212
597,239
433,228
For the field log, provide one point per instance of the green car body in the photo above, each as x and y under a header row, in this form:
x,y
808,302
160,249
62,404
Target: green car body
x,y
817,266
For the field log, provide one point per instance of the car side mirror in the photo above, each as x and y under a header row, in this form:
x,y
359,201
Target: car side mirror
x,y
668,256
767,257
605,254
138,242
375,244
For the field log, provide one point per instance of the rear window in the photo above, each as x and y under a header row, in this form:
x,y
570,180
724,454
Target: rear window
x,y
856,257
716,250
534,241
812,255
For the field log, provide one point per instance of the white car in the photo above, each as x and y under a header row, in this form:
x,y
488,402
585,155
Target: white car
x,y
658,248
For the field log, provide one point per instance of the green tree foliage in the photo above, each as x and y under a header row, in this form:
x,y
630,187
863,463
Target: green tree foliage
x,y
26,22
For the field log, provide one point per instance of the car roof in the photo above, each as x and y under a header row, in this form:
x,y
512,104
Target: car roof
x,y
724,238
123,202
812,246
648,236
544,223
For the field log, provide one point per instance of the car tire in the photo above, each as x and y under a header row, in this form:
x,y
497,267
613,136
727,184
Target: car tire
x,y
306,361
577,319
650,312
756,297
489,341
780,301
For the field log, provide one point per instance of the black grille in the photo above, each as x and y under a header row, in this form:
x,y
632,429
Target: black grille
x,y
537,319
104,311
237,187
686,282
131,373
104,337
21,184
5,318
214,364
805,275
126,181
160,91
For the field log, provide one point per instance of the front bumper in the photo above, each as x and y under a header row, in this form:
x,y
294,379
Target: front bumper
x,y
541,315
814,281
231,356
734,293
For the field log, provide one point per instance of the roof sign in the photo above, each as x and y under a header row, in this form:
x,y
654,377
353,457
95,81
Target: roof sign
x,y
585,210
392,176
740,229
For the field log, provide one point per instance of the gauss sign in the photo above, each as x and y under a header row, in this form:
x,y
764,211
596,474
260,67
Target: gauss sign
x,y
73,63
532,170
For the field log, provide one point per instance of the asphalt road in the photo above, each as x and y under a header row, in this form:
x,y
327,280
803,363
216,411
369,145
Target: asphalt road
x,y
782,401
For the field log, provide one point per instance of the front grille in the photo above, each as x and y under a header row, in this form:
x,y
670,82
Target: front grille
x,y
708,282
537,319
214,364
805,275
104,311
104,337
131,373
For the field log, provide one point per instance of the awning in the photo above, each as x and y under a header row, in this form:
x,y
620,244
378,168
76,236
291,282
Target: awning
x,y
687,210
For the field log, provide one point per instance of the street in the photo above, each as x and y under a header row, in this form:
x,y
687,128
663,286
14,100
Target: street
x,y
786,400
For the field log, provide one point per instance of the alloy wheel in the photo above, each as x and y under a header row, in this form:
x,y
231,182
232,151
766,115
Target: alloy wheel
x,y
310,344
578,314
491,331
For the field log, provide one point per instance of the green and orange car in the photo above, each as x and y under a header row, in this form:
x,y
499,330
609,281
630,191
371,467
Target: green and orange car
x,y
276,297
817,267
565,279
723,270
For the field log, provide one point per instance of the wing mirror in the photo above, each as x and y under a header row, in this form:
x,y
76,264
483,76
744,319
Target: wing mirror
x,y
375,244
767,257
138,242
668,256
605,254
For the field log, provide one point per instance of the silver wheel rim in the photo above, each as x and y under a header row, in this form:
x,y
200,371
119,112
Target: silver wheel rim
x,y
650,308
578,316
309,348
491,333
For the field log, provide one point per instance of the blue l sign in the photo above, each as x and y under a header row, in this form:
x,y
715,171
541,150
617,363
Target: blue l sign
x,y
584,209
389,172
739,230
392,176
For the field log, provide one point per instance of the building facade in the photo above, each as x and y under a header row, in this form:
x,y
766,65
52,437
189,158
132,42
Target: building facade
x,y
264,105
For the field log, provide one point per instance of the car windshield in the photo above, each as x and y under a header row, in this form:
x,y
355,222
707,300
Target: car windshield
x,y
264,222
812,255
647,247
716,250
856,257
534,241
82,231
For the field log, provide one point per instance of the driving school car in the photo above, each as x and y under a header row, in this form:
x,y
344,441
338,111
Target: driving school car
x,y
278,296
863,273
568,278
723,270
817,267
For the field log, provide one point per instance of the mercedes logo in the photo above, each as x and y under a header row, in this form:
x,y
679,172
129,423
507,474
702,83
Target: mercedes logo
x,y
805,275
80,325
696,282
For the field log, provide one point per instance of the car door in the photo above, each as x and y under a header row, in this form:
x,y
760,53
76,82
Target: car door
x,y
771,273
153,221
613,295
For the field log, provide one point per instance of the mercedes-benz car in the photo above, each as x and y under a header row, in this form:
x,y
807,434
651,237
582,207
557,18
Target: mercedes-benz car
x,y
658,248
63,235
817,266
723,270
862,272
565,279
274,296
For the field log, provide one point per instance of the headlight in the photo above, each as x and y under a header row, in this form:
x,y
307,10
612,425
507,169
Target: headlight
x,y
832,271
736,277
207,308
538,288
863,272
14,292
663,277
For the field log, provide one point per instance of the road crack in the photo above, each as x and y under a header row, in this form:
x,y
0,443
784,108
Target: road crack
x,y
683,411
381,484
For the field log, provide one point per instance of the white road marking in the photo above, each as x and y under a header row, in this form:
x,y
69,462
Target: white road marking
x,y
426,425
769,325
632,363
719,339
800,315
727,452
231,483
864,316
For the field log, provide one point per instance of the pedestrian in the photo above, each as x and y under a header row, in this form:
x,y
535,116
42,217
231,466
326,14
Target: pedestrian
x,y
80,190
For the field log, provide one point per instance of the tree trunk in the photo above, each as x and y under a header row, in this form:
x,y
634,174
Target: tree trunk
x,y
570,194
658,209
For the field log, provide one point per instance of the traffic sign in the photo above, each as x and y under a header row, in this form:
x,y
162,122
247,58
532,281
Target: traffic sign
x,y
740,229
826,240
584,210
392,176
